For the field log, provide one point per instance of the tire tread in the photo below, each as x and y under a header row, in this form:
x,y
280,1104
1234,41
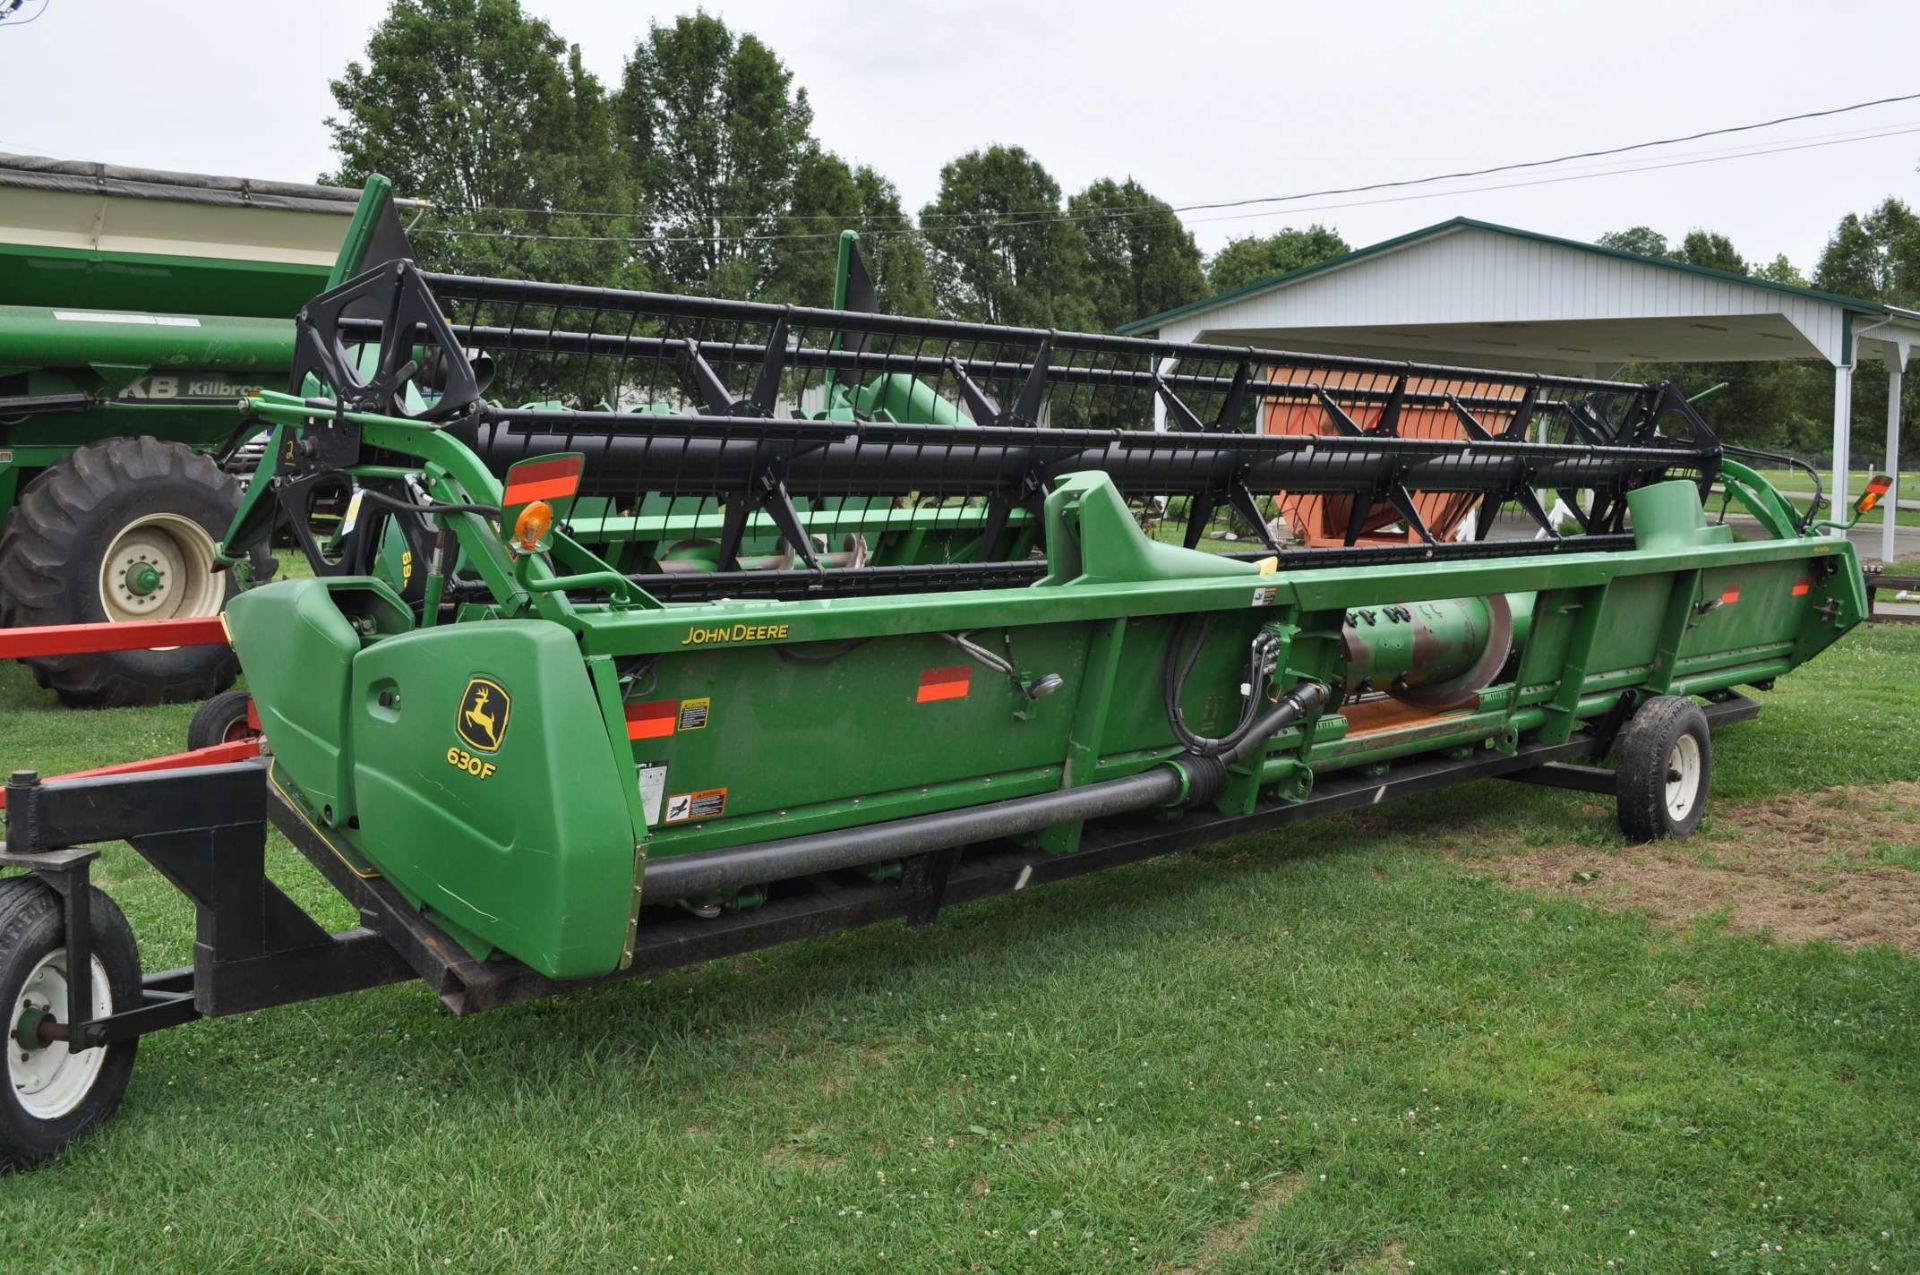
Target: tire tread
x,y
1642,770
37,561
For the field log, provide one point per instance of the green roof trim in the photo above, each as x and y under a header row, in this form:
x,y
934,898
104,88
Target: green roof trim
x,y
1469,223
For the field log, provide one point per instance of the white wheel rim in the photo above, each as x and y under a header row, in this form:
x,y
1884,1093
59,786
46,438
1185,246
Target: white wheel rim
x,y
49,1082
1683,777
161,567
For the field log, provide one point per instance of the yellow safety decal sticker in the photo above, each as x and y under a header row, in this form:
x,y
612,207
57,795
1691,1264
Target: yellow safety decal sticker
x,y
694,713
478,767
701,635
352,515
682,807
482,719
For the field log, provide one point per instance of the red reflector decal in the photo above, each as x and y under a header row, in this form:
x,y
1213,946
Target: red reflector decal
x,y
653,720
546,489
944,683
553,479
1800,588
1731,596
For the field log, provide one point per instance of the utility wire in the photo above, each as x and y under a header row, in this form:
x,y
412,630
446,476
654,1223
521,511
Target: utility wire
x,y
463,233
1054,215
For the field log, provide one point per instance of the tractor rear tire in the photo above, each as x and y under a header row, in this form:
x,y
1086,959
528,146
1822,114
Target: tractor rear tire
x,y
53,1096
1666,764
124,529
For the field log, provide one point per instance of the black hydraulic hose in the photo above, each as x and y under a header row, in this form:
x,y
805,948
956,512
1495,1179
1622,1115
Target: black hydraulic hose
x,y
1181,656
1192,777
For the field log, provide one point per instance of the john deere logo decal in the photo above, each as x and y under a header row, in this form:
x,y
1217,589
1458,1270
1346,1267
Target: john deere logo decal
x,y
482,722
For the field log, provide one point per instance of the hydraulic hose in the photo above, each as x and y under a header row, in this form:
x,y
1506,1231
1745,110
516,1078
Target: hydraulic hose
x,y
1188,777
1262,656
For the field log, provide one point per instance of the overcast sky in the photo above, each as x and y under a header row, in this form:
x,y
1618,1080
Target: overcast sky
x,y
1198,101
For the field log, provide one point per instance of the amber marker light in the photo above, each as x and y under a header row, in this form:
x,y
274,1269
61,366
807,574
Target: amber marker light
x,y
532,526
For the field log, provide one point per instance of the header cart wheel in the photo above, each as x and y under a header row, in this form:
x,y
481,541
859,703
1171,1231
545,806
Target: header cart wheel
x,y
1666,761
224,719
124,529
53,1095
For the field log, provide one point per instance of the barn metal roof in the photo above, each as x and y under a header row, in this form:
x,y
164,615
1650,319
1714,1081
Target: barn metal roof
x,y
1477,291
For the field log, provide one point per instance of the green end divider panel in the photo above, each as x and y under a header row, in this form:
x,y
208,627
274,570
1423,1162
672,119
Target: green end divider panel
x,y
297,644
488,790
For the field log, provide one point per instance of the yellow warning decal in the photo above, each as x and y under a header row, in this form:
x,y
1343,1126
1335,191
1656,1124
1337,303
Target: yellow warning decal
x,y
684,807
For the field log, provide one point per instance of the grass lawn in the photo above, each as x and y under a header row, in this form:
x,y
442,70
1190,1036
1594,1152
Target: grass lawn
x,y
1341,1047
1792,480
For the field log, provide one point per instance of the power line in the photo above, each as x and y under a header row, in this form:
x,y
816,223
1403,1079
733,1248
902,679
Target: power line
x,y
1691,161
1054,214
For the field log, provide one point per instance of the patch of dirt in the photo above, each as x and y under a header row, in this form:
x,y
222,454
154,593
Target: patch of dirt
x,y
802,1151
1390,1260
1800,867
1233,1236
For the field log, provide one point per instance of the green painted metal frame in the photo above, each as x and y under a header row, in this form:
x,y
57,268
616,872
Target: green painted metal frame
x,y
1606,627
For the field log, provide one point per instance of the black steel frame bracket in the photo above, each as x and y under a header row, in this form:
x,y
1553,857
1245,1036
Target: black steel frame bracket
x,y
204,829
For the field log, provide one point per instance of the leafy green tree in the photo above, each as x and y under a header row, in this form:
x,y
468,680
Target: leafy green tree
x,y
829,197
714,134
1780,270
1644,240
1253,258
482,109
1140,259
894,249
1712,250
1850,263
1876,257
999,251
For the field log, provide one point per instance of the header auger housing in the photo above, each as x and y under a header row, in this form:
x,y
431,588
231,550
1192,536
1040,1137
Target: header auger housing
x,y
664,627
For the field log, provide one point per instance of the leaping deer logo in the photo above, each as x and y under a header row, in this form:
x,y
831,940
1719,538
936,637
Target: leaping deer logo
x,y
484,708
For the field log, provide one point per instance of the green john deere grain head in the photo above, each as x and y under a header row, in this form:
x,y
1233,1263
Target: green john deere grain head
x,y
745,606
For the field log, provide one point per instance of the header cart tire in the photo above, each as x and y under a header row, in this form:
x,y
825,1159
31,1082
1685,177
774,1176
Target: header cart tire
x,y
53,1095
1666,763
124,529
224,719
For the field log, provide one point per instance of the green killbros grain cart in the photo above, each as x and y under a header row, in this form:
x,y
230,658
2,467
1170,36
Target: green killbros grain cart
x,y
135,307
751,623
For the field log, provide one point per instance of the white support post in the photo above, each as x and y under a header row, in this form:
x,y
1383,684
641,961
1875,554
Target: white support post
x,y
1896,368
1842,436
1165,368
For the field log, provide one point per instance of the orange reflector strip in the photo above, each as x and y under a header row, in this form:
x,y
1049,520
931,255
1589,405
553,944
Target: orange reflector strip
x,y
554,479
519,492
944,683
1800,588
653,720
1731,596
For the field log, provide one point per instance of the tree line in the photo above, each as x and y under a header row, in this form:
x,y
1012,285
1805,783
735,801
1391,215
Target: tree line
x,y
699,172
1788,407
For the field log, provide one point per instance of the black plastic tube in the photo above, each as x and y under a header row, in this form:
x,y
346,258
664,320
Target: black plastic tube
x,y
686,876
